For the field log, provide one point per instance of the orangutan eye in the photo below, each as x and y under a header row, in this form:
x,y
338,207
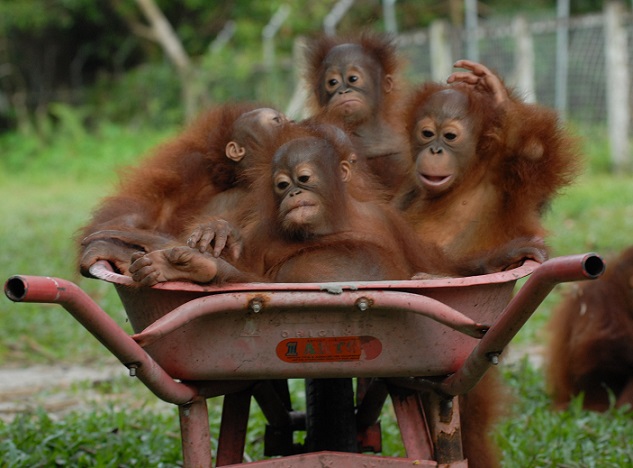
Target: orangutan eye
x,y
304,179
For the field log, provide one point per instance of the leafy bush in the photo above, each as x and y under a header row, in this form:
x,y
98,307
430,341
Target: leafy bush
x,y
148,96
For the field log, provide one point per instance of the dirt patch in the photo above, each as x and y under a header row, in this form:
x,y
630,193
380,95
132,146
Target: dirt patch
x,y
49,387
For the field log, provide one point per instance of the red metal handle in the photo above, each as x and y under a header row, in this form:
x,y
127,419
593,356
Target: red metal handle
x,y
43,289
517,312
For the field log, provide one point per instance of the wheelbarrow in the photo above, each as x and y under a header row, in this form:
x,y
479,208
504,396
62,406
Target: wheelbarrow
x,y
421,342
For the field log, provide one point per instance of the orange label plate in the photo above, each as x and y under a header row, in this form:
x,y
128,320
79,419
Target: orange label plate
x,y
329,349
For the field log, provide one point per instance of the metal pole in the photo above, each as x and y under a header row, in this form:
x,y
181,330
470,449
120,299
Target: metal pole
x,y
562,56
269,32
335,15
472,39
389,12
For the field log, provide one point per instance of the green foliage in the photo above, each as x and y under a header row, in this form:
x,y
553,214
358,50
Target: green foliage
x,y
63,148
596,214
48,190
33,15
149,95
106,63
104,437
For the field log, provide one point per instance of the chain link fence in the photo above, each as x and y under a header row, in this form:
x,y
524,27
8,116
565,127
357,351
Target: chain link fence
x,y
586,78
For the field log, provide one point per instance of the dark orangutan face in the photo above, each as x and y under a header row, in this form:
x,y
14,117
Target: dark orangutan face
x,y
251,128
351,83
265,119
308,184
444,141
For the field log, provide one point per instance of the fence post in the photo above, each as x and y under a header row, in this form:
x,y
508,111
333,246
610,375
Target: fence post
x,y
562,55
441,55
268,35
618,85
389,12
524,59
335,15
472,31
296,108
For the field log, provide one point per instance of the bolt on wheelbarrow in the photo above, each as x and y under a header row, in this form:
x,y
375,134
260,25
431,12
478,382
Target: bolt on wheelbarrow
x,y
422,342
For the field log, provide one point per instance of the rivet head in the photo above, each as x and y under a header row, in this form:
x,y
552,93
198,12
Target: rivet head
x,y
256,305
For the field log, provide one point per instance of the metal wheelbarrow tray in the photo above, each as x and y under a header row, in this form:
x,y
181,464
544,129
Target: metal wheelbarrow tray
x,y
429,337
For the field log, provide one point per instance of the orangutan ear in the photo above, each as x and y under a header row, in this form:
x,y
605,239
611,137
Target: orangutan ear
x,y
346,171
234,151
387,84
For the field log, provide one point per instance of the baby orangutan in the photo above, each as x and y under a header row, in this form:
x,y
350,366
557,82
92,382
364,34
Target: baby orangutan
x,y
201,172
486,165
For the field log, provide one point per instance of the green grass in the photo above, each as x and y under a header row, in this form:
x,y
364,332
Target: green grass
x,y
536,436
48,189
106,436
48,192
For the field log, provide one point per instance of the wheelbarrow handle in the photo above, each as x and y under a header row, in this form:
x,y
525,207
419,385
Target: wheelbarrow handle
x,y
539,284
45,289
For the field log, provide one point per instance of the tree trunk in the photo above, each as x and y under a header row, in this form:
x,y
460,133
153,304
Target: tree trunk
x,y
163,33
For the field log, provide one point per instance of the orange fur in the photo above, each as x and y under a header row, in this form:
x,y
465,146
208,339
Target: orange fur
x,y
591,339
523,159
374,126
167,189
381,48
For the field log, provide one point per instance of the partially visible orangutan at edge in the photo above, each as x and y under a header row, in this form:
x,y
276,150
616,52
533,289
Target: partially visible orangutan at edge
x,y
590,347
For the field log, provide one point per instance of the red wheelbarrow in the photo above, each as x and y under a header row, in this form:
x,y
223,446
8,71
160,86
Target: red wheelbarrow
x,y
423,343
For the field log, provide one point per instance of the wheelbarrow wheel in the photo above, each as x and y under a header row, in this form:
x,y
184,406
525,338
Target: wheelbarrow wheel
x,y
330,418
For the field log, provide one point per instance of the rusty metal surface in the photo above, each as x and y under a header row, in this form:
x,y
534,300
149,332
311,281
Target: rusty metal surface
x,y
218,335
519,310
195,433
412,423
102,270
232,438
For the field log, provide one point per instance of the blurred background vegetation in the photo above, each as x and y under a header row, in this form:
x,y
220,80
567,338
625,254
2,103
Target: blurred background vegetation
x,y
101,59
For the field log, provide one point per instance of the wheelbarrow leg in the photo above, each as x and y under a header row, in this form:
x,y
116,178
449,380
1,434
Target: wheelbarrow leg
x,y
232,439
273,397
444,424
412,423
194,429
371,395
